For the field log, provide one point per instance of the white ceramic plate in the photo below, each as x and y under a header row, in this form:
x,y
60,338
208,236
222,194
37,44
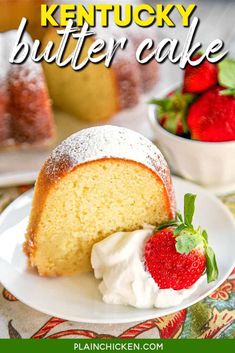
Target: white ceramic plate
x,y
77,298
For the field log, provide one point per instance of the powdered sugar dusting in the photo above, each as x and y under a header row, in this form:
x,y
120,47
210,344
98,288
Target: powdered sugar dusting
x,y
105,142
28,71
108,142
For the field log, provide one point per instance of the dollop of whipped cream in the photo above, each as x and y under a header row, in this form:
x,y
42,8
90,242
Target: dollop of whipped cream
x,y
118,261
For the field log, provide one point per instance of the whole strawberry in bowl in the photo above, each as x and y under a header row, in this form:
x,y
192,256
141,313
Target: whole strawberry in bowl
x,y
198,79
212,116
195,125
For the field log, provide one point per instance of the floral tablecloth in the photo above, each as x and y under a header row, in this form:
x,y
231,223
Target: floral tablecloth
x,y
213,317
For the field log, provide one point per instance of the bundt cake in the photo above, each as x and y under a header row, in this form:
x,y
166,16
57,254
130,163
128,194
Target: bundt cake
x,y
98,181
25,111
12,12
96,93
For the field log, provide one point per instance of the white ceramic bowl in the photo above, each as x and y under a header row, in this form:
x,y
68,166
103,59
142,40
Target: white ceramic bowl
x,y
211,164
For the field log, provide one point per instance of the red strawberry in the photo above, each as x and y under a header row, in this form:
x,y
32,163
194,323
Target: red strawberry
x,y
176,255
212,116
199,78
169,268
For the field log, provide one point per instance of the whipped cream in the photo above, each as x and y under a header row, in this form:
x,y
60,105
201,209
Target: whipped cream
x,y
118,261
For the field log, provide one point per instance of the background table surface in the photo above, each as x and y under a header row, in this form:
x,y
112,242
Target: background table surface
x,y
214,317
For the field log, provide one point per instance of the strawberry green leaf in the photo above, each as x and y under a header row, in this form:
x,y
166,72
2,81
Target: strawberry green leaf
x,y
179,217
171,122
205,235
228,92
179,229
189,208
186,242
173,109
171,223
163,103
211,265
226,75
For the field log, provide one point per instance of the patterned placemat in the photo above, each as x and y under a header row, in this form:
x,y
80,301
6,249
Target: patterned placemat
x,y
213,317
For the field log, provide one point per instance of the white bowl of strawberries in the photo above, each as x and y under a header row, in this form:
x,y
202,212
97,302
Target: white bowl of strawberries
x,y
194,125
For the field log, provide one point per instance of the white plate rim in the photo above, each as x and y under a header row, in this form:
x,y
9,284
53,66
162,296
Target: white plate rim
x,y
14,179
169,311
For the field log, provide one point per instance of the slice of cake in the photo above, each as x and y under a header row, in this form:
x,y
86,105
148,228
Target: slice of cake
x,y
98,181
